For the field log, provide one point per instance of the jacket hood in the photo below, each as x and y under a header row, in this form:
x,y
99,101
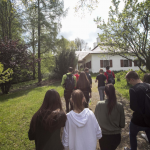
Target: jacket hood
x,y
80,119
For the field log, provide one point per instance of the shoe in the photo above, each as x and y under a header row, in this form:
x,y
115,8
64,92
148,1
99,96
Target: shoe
x,y
126,148
145,137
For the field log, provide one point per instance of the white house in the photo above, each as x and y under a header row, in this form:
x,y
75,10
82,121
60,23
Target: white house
x,y
99,58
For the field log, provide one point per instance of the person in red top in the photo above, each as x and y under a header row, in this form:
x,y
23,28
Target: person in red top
x,y
76,74
109,72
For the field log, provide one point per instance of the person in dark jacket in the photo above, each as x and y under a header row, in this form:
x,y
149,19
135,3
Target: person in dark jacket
x,y
137,100
46,123
88,75
84,85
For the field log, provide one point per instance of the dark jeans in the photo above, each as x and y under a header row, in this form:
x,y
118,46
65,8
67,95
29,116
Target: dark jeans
x,y
134,129
67,96
109,142
101,92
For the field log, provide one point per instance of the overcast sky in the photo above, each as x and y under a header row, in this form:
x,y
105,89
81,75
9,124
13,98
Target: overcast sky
x,y
73,25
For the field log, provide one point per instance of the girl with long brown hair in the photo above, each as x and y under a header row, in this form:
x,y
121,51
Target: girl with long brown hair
x,y
46,123
110,116
81,130
84,85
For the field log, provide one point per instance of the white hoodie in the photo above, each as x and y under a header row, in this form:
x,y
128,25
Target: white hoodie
x,y
81,131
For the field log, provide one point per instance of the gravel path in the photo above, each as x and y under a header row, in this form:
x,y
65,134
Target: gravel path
x,y
142,144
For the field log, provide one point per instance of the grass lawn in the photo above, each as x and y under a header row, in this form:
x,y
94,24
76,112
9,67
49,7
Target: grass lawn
x,y
16,111
122,88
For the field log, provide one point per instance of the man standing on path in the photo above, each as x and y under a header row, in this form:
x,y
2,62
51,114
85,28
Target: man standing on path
x,y
109,75
139,121
101,83
69,83
86,70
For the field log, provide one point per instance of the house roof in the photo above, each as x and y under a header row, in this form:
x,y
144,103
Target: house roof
x,y
81,54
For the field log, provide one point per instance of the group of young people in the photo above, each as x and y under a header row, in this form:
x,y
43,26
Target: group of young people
x,y
82,127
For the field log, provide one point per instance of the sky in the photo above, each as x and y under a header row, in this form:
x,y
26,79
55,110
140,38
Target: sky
x,y
75,25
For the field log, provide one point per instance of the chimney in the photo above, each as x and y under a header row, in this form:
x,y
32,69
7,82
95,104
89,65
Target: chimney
x,y
98,40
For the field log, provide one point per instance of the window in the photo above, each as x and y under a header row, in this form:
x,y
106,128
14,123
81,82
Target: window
x,y
137,63
126,63
88,65
104,63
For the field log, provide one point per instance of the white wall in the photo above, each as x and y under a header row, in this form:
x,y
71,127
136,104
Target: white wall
x,y
116,66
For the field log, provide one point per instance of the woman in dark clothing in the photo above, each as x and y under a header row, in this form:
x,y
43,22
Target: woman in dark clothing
x,y
84,85
46,123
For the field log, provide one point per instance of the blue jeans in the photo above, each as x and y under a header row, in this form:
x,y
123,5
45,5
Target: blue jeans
x,y
134,129
101,92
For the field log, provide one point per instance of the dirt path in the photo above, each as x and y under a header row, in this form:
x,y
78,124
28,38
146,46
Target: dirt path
x,y
142,144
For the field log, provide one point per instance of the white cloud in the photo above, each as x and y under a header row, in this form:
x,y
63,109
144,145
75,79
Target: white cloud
x,y
85,28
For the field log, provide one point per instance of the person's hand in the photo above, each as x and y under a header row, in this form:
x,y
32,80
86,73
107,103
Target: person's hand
x,y
90,96
91,85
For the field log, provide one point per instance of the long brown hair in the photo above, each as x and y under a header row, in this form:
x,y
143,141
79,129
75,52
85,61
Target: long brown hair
x,y
112,100
77,97
49,110
83,81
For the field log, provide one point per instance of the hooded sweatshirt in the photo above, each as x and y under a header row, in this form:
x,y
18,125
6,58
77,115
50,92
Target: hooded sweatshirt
x,y
81,131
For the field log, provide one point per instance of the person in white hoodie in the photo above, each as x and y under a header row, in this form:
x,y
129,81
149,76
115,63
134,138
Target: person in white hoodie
x,y
81,130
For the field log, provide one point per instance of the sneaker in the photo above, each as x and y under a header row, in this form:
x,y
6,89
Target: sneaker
x,y
126,148
145,137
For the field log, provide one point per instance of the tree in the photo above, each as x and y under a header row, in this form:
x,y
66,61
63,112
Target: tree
x,y
5,76
65,57
10,20
16,57
80,44
126,32
49,14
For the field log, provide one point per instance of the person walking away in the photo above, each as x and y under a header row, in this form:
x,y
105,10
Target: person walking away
x,y
101,84
84,85
77,75
46,123
146,80
111,118
68,83
110,76
140,104
88,75
81,130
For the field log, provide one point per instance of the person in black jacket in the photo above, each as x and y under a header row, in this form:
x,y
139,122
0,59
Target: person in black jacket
x,y
137,104
84,85
88,75
46,123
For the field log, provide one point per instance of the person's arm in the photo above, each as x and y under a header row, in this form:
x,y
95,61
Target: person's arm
x,y
122,117
96,80
97,128
133,100
65,136
63,80
113,74
75,80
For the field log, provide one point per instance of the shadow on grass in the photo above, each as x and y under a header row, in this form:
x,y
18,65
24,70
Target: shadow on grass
x,y
25,91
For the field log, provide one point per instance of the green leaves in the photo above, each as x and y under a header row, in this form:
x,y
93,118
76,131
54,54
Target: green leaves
x,y
6,75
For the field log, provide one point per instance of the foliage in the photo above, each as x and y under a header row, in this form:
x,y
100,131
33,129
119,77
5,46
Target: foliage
x,y
126,32
121,84
5,76
16,57
65,57
10,20
16,111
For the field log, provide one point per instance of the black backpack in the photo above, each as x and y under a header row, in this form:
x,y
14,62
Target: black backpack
x,y
146,114
69,82
110,78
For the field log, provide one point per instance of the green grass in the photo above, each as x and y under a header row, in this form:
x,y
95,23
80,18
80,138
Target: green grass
x,y
122,88
16,111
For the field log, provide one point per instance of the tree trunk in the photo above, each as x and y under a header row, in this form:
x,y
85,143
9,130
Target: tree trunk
x,y
39,61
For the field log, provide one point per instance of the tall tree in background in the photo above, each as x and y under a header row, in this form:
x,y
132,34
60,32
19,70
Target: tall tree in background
x,y
127,31
10,20
80,44
65,57
48,18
